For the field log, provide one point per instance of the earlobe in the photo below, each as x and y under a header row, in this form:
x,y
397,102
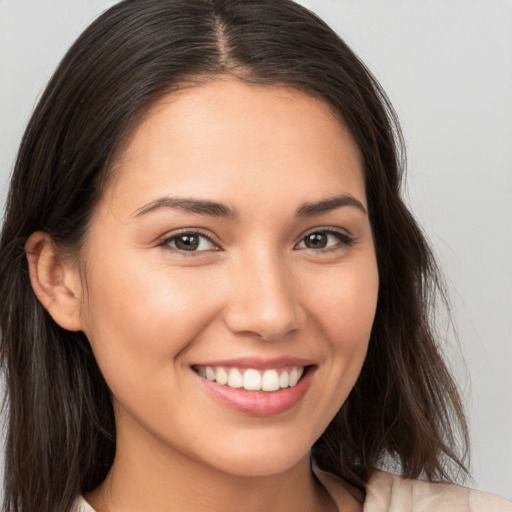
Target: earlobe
x,y
55,282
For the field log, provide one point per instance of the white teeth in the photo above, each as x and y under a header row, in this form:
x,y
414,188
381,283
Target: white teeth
x,y
295,375
284,379
222,376
251,379
270,380
235,379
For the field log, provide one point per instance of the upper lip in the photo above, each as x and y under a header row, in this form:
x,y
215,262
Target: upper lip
x,y
259,363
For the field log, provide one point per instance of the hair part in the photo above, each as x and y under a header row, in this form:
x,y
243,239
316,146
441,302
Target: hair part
x,y
61,427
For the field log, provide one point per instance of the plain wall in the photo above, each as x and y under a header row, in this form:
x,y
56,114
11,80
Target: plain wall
x,y
447,67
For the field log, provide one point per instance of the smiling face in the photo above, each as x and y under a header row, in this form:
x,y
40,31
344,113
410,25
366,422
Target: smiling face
x,y
231,250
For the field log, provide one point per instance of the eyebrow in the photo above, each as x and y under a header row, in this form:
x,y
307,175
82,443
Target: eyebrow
x,y
200,206
215,209
330,204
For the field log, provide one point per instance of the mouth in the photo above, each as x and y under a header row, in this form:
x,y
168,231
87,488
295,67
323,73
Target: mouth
x,y
255,386
252,379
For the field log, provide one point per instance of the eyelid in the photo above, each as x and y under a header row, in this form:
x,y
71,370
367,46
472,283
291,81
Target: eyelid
x,y
168,237
346,240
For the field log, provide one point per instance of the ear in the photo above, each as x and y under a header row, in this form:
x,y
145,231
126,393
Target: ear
x,y
55,282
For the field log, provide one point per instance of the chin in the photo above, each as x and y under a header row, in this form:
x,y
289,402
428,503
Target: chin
x,y
261,459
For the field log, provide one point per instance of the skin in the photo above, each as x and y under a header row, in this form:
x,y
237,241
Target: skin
x,y
254,289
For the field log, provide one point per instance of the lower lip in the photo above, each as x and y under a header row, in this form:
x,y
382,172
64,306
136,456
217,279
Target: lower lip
x,y
259,403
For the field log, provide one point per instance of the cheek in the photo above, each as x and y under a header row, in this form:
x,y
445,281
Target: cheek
x,y
343,309
346,307
141,315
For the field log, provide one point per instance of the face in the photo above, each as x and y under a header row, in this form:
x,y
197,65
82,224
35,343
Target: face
x,y
231,279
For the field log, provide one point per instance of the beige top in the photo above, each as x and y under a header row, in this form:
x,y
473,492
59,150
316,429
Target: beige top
x,y
386,492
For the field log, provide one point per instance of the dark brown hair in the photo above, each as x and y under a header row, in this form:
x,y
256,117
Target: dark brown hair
x,y
61,431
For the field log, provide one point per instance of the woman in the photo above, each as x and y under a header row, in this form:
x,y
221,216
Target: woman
x,y
210,279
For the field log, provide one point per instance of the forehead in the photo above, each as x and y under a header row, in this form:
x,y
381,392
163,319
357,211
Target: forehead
x,y
224,135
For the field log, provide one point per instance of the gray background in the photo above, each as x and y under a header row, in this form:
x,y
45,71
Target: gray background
x,y
447,66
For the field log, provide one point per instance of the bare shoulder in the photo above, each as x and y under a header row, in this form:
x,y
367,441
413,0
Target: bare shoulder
x,y
387,492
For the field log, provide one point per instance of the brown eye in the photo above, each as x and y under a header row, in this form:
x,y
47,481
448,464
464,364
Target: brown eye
x,y
324,239
190,242
187,242
316,241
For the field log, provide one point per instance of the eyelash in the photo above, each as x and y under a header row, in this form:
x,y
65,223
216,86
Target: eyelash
x,y
168,240
344,241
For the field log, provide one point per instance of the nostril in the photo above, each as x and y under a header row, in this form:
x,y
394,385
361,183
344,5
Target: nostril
x,y
247,321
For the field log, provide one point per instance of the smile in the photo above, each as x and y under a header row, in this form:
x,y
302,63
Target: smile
x,y
251,379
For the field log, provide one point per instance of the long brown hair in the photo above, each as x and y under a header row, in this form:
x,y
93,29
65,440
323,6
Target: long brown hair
x,y
61,430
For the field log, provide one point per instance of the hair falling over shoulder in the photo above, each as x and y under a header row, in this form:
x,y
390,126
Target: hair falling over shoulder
x,y
61,435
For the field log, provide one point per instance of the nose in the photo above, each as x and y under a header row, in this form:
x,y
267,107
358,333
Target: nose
x,y
263,299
